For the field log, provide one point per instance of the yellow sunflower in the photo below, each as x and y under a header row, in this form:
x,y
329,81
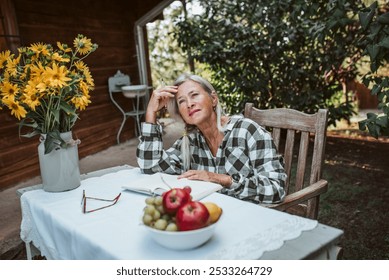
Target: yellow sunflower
x,y
12,66
39,48
8,89
83,45
81,102
84,88
35,86
32,99
37,70
57,76
41,87
63,47
80,65
60,58
16,109
4,57
88,77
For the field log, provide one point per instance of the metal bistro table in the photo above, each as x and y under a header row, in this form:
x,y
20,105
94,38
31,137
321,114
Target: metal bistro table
x,y
54,226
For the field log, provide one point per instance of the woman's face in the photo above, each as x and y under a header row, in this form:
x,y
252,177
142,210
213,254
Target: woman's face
x,y
194,103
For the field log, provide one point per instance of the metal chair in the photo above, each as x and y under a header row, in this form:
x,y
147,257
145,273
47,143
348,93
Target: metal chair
x,y
121,83
301,199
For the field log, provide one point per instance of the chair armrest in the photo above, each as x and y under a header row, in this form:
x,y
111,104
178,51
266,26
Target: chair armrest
x,y
306,193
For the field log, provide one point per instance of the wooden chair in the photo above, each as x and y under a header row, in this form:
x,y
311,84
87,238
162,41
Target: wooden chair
x,y
294,125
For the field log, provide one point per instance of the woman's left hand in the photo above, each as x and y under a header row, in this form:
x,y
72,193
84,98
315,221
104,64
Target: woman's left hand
x,y
203,175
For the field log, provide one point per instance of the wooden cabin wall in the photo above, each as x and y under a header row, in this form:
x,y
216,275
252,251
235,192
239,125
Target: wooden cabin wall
x,y
110,24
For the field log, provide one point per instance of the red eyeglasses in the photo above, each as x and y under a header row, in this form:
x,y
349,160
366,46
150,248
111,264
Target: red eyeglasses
x,y
84,199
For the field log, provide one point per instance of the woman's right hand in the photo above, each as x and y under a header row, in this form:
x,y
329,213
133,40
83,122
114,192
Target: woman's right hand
x,y
158,100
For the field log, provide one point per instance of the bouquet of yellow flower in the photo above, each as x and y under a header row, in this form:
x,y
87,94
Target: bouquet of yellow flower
x,y
45,87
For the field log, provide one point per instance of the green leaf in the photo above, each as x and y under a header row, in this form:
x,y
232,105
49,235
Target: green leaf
x,y
376,89
382,121
366,81
373,67
371,116
373,129
384,19
31,134
67,107
375,29
362,125
53,141
373,51
381,96
366,17
56,114
385,42
49,144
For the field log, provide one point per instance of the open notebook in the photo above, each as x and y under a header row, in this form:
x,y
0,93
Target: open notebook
x,y
157,183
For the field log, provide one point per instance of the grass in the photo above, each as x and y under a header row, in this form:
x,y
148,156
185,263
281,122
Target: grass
x,y
358,196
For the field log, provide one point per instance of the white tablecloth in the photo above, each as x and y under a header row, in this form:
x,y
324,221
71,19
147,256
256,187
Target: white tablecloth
x,y
57,226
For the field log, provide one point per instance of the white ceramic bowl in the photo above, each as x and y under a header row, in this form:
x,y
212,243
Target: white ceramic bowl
x,y
182,240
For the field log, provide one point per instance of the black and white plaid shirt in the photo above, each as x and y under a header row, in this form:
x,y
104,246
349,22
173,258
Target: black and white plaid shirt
x,y
247,150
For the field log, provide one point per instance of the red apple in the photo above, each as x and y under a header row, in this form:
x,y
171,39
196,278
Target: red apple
x,y
192,215
173,199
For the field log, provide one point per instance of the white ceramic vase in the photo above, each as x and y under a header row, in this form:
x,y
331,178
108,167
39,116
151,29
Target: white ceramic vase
x,y
60,168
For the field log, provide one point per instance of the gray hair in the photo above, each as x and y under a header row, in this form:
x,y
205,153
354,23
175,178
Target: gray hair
x,y
172,107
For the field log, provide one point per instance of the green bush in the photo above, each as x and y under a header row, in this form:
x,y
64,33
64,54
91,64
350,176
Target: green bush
x,y
282,53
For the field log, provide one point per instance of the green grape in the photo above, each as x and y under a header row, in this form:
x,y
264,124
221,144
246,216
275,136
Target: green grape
x,y
160,209
150,209
160,224
171,227
147,219
156,215
150,200
158,200
166,217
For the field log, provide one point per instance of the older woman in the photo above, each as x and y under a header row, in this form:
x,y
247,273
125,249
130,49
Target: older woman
x,y
232,151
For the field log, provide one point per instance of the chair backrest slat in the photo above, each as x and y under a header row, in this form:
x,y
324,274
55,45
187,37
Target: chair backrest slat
x,y
276,134
320,140
288,155
302,160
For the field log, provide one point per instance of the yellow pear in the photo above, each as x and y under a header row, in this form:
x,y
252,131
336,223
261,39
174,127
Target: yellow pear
x,y
214,211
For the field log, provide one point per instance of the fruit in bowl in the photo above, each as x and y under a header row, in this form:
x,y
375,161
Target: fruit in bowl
x,y
174,198
175,221
192,215
214,211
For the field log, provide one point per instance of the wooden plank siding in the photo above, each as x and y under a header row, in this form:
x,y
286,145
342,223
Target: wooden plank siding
x,y
110,24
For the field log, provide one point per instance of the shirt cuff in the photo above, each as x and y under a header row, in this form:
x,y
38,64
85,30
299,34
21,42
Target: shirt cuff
x,y
151,130
237,181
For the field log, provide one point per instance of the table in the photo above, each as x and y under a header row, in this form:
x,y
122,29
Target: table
x,y
54,224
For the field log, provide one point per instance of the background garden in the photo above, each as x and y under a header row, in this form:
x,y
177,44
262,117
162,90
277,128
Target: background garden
x,y
298,54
